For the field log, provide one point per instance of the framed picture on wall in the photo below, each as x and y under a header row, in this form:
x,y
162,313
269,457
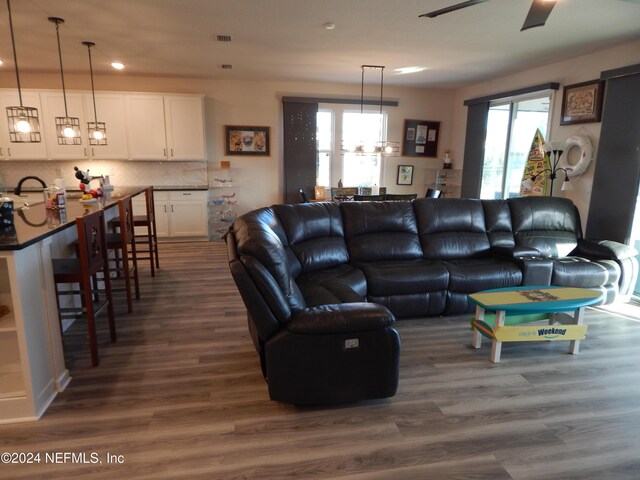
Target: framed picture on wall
x,y
240,140
405,175
582,102
420,138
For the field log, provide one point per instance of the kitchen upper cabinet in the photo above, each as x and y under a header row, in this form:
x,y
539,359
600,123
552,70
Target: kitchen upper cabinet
x,y
169,127
20,151
185,127
140,126
145,123
52,107
111,110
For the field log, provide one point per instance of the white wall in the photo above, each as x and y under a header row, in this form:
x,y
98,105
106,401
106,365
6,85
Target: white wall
x,y
249,103
579,69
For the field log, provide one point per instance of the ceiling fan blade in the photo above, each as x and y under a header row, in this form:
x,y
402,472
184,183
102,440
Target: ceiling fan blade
x,y
538,13
452,8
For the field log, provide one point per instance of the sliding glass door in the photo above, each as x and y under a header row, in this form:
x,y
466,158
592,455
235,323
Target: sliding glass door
x,y
511,126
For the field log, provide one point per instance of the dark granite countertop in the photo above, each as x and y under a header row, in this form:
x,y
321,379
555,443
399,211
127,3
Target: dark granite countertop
x,y
33,224
161,188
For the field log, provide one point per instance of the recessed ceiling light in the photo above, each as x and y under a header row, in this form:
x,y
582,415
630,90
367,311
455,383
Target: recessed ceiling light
x,y
329,26
117,65
1,62
405,70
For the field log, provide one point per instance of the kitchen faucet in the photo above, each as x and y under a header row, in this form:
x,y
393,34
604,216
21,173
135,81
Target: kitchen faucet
x,y
18,189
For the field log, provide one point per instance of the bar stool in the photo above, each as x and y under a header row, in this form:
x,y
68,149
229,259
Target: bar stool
x,y
92,258
124,245
149,240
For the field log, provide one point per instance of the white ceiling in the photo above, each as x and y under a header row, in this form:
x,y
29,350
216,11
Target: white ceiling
x,y
285,39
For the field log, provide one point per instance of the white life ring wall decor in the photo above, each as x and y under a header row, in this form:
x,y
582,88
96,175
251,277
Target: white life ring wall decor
x,y
586,154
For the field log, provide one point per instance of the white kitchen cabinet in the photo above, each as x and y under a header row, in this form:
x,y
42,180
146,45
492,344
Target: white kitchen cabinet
x,y
146,127
169,127
32,367
179,213
52,107
20,151
184,124
111,110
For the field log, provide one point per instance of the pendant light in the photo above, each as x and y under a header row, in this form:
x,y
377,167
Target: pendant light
x,y
67,128
97,130
380,147
24,125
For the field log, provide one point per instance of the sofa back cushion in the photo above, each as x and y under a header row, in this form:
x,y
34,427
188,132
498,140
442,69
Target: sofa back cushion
x,y
377,231
549,224
451,228
260,235
497,219
315,234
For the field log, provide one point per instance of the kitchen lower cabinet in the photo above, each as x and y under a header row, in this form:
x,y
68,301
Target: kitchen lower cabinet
x,y
179,213
32,369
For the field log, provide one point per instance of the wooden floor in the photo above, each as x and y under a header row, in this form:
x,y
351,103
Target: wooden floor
x,y
180,396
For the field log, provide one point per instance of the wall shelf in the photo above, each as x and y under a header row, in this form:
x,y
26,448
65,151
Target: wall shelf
x,y
448,181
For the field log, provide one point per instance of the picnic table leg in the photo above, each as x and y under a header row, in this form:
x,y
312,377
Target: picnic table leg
x,y
476,341
578,317
496,347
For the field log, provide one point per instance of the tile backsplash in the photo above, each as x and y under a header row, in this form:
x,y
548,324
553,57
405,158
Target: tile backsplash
x,y
124,173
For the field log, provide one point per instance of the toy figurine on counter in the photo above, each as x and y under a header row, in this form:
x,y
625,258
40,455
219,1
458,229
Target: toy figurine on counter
x,y
85,179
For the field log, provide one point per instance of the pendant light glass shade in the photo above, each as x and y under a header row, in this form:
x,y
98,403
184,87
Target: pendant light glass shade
x,y
67,128
97,130
23,122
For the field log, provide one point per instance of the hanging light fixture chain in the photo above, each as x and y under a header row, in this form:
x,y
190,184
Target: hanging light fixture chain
x,y
58,21
362,92
15,56
93,90
381,87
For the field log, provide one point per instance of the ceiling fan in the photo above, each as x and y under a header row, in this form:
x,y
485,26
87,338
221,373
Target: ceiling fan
x,y
537,16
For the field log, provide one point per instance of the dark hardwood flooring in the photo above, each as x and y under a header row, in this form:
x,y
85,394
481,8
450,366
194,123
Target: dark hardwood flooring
x,y
180,396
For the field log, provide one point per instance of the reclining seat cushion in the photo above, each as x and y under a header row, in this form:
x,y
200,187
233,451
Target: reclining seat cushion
x,y
454,230
315,234
259,235
377,231
451,229
316,237
401,277
549,224
341,284
474,275
408,288
497,219
581,272
383,242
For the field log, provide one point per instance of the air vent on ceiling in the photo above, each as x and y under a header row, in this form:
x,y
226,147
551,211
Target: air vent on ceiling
x,y
223,38
226,66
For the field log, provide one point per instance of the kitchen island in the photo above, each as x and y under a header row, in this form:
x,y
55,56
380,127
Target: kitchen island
x,y
32,368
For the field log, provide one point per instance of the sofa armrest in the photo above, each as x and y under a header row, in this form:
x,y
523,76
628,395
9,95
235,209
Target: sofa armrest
x,y
603,249
514,252
340,318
